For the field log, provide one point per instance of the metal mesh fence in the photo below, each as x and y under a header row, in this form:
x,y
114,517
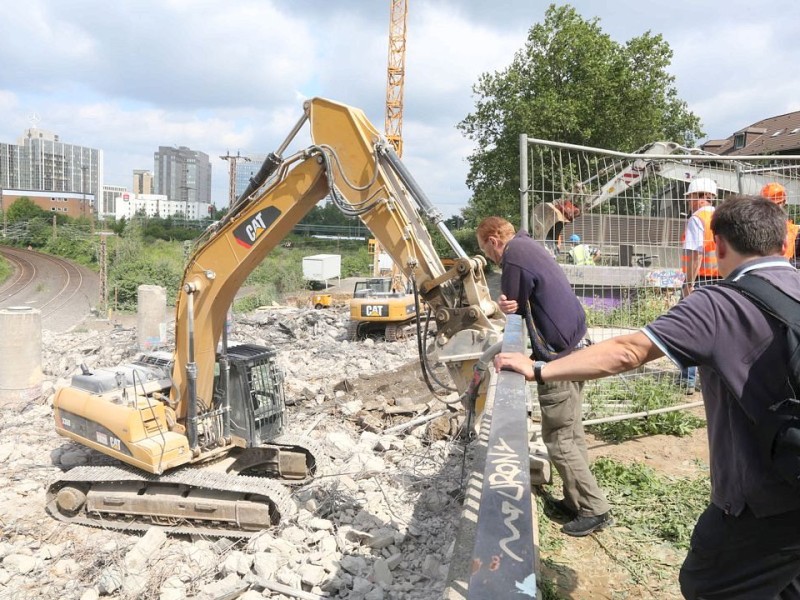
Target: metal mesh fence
x,y
614,222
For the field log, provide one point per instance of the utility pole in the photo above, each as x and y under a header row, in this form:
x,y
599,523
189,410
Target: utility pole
x,y
232,174
103,274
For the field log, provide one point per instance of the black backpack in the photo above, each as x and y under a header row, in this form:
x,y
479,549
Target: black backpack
x,y
778,429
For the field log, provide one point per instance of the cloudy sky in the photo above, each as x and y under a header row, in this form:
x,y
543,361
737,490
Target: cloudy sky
x,y
130,75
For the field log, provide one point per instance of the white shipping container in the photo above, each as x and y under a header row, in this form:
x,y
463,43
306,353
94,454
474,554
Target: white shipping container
x,y
322,267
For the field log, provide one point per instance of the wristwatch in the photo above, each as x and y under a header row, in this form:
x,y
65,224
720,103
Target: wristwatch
x,y
537,371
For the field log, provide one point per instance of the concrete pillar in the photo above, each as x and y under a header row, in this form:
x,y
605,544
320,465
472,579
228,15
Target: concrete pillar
x,y
20,354
151,317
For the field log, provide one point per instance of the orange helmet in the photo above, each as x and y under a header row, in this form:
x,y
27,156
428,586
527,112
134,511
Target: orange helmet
x,y
775,192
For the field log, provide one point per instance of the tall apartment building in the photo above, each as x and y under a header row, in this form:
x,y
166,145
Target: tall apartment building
x,y
247,169
142,181
183,175
41,162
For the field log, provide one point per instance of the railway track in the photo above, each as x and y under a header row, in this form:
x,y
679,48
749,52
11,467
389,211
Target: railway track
x,y
61,290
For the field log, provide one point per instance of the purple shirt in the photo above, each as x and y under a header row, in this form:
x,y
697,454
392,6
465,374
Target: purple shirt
x,y
741,354
530,273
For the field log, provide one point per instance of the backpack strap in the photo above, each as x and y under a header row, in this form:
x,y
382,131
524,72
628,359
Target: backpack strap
x,y
767,297
778,304
778,429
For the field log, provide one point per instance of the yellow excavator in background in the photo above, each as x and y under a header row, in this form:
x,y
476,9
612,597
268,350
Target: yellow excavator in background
x,y
320,300
381,305
376,308
198,434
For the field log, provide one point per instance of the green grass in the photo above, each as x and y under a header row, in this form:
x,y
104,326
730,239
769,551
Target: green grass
x,y
654,507
5,269
635,310
264,296
654,513
638,393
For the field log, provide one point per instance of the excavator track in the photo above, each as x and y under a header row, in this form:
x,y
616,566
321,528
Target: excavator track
x,y
190,501
317,457
352,330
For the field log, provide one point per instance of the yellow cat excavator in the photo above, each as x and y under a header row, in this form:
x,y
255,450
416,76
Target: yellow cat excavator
x,y
197,435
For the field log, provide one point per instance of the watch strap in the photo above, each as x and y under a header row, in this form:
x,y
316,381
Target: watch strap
x,y
537,371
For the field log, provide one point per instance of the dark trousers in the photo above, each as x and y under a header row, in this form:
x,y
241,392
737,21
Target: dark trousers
x,y
743,558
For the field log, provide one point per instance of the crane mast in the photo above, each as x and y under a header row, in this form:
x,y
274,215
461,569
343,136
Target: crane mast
x,y
396,74
395,78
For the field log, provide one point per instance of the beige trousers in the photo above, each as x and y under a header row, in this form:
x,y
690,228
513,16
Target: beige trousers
x,y
562,433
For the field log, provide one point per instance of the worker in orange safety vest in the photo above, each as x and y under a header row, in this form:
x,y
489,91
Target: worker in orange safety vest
x,y
777,193
699,258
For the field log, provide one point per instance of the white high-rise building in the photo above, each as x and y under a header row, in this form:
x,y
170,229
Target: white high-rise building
x,y
40,161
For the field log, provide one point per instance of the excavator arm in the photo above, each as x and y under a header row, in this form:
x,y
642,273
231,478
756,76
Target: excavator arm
x,y
350,162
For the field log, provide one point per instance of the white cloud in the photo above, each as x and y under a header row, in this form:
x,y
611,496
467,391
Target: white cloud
x,y
127,77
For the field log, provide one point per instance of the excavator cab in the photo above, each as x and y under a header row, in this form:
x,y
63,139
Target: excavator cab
x,y
256,379
376,285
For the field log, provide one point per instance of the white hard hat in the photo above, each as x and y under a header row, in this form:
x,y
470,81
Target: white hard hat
x,y
702,184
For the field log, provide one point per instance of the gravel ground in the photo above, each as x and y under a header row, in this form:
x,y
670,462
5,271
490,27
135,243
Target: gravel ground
x,y
379,524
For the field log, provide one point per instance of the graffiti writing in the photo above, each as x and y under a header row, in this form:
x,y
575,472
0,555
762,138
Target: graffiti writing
x,y
506,480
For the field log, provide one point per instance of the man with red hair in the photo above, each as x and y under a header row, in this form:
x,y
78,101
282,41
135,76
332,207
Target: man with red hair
x,y
534,286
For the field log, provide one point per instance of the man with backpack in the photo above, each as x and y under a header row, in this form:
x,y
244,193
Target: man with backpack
x,y
746,544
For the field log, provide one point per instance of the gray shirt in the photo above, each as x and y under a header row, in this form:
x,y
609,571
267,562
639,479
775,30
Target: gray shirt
x,y
741,354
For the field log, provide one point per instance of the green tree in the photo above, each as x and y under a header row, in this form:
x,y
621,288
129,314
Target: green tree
x,y
217,213
326,213
117,226
455,222
571,83
24,209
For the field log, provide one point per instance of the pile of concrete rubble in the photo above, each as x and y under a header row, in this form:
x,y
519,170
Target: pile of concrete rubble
x,y
379,524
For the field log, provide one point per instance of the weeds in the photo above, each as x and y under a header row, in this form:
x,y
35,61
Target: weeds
x,y
636,309
639,393
654,515
263,297
5,269
653,506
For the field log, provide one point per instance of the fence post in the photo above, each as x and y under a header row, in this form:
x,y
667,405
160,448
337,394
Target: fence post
x,y
523,182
